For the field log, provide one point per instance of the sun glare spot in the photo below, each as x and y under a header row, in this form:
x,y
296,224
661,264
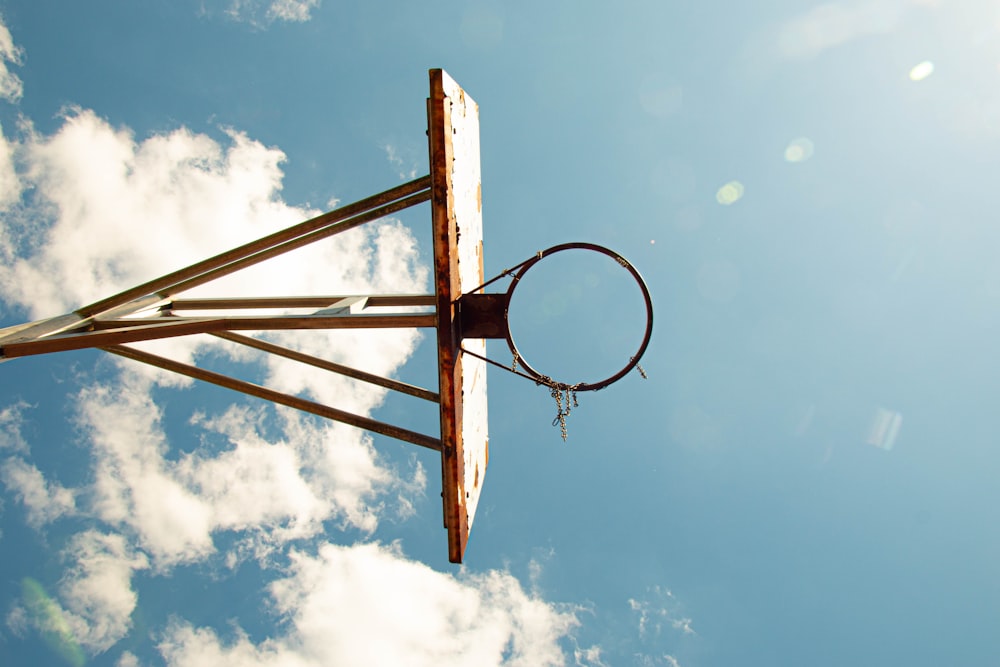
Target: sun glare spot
x,y
922,71
885,428
730,193
799,150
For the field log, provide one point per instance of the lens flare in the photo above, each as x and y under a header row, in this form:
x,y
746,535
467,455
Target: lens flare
x,y
885,428
799,150
48,617
922,71
730,193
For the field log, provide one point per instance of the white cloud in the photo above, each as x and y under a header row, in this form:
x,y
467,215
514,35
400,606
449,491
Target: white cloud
x,y
319,471
44,501
254,483
127,659
292,10
683,625
589,657
367,604
406,169
96,599
114,212
18,621
97,590
10,85
410,490
133,483
282,489
10,183
11,419
261,13
658,610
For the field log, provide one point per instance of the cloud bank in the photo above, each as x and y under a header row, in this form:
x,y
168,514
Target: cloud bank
x,y
368,605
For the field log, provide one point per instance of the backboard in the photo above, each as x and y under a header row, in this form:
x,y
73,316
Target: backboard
x,y
457,223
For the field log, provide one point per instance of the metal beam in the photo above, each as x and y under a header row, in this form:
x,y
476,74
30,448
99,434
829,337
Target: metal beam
x,y
286,322
388,383
277,397
376,301
71,321
169,283
118,331
299,242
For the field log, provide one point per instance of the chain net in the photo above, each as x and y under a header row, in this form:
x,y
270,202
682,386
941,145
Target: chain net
x,y
565,402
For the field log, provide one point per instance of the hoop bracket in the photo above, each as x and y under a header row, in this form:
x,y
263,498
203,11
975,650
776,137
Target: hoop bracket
x,y
483,315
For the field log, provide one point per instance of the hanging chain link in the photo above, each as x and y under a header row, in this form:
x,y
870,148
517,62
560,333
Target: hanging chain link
x,y
563,394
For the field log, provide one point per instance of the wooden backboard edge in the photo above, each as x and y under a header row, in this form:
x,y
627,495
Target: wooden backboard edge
x,y
447,289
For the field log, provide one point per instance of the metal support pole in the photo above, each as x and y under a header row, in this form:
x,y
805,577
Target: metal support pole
x,y
271,348
277,397
105,333
170,281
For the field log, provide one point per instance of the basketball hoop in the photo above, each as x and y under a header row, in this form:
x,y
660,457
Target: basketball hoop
x,y
486,315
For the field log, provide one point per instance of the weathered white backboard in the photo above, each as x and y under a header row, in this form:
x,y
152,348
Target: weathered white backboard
x,y
456,210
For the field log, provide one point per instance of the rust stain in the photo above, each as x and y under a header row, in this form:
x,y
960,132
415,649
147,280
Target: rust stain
x,y
482,270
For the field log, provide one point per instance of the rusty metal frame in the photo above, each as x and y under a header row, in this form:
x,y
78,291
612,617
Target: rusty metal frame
x,y
103,333
156,310
277,397
110,323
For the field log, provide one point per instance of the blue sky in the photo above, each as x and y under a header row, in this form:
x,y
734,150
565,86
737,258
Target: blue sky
x,y
808,476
